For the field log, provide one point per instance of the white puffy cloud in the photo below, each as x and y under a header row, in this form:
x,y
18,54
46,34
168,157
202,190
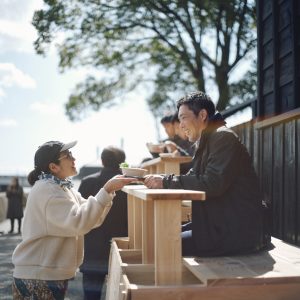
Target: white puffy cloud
x,y
16,31
11,76
8,122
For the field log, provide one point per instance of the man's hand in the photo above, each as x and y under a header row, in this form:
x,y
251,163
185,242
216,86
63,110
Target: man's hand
x,y
154,181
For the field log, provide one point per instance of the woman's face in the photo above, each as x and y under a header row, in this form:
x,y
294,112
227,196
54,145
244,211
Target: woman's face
x,y
66,166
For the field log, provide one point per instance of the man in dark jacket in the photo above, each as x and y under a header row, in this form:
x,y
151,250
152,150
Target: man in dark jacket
x,y
97,241
230,221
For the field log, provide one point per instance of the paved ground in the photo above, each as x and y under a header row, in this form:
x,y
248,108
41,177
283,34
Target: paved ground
x,y
8,242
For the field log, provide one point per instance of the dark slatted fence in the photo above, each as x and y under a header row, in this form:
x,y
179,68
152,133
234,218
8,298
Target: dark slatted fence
x,y
275,149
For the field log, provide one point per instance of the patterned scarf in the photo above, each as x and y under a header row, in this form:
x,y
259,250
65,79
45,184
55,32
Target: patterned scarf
x,y
64,183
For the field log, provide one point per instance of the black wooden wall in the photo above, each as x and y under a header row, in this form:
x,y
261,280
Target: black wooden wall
x,y
278,27
275,150
275,137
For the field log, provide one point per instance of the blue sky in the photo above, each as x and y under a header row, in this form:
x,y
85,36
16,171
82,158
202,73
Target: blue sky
x,y
32,98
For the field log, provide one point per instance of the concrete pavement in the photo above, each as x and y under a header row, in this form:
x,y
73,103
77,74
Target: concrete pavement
x,y
8,242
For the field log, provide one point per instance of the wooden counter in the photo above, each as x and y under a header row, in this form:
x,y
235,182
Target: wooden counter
x,y
154,226
165,164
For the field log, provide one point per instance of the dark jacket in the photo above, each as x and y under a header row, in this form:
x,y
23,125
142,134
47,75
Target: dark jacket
x,y
15,203
97,241
230,221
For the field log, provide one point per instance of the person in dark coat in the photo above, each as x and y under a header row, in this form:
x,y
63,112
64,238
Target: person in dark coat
x,y
14,194
230,220
97,242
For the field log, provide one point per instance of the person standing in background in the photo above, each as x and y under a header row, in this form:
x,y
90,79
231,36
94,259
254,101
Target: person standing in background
x,y
97,241
14,194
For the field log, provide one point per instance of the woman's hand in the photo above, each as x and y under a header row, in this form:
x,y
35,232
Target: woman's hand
x,y
153,181
117,182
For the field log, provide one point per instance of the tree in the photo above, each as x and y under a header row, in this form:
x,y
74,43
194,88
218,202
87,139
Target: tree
x,y
172,46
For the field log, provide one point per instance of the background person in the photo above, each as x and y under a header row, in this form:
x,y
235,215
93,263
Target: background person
x,y
176,142
97,242
14,194
55,221
230,221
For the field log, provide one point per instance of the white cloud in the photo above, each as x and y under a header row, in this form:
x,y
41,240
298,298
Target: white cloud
x,y
16,31
18,10
46,108
10,76
7,122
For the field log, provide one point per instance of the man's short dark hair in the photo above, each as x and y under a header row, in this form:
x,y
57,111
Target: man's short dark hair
x,y
197,101
112,157
166,119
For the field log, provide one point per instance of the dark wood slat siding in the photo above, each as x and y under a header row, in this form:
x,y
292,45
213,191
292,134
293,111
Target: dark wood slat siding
x,y
298,181
276,158
256,146
267,163
278,56
289,183
278,178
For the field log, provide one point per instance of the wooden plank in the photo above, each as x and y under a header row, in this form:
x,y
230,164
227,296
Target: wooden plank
x,y
122,242
186,213
256,148
114,274
148,232
286,291
174,159
267,164
292,114
163,194
278,178
137,223
166,164
143,274
167,222
298,178
130,217
279,265
160,168
171,168
130,256
289,183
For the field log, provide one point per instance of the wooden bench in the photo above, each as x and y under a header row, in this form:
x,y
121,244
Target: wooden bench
x,y
269,275
148,264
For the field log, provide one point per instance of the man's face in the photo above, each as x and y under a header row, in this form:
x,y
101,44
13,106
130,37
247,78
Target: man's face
x,y
169,129
192,125
179,131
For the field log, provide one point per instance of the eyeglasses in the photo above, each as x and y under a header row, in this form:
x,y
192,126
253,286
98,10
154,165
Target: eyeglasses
x,y
68,155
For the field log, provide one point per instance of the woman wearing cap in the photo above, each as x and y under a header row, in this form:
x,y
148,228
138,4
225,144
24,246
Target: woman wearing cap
x,y
55,221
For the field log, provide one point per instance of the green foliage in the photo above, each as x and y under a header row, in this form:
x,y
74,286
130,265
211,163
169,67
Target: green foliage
x,y
124,165
170,46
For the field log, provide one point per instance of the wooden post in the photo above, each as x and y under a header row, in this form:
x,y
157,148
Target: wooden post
x,y
167,222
